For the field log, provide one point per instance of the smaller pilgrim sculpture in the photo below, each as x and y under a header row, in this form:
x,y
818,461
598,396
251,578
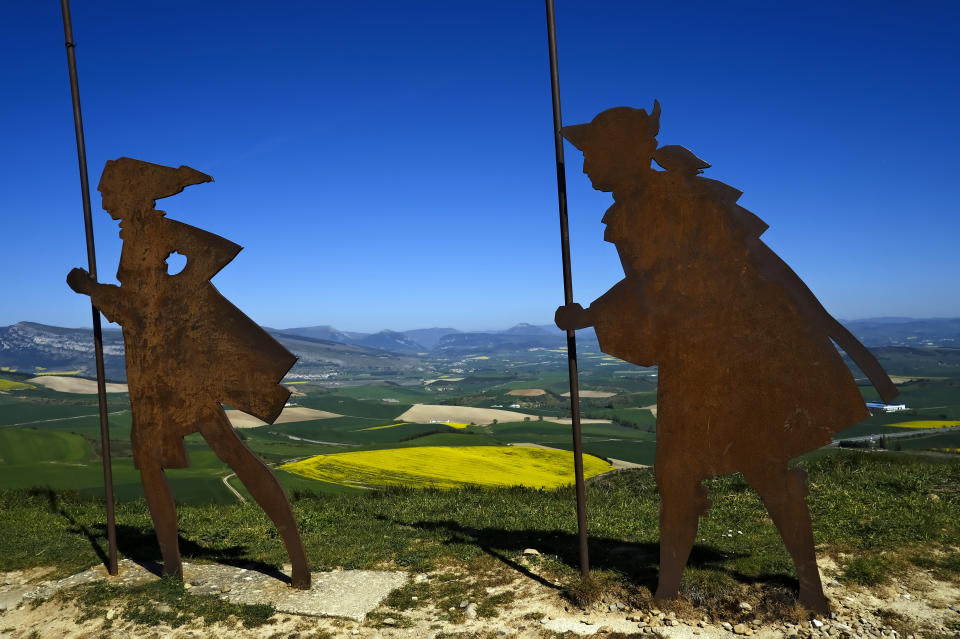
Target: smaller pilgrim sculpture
x,y
187,351
748,375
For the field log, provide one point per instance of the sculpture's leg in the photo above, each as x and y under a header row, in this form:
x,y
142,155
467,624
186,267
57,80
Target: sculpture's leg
x,y
682,500
164,515
784,494
266,490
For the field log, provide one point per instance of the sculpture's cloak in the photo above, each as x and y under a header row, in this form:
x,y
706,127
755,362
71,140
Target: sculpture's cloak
x,y
188,349
748,375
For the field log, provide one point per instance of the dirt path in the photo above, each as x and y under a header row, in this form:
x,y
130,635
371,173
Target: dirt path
x,y
59,419
236,493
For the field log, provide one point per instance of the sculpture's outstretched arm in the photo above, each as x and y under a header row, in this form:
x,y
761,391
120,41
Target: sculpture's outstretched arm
x,y
109,299
572,317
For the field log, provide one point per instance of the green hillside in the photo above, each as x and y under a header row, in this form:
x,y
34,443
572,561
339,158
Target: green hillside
x,y
25,446
876,517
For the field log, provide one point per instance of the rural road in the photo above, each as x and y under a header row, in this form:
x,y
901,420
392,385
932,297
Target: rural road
x,y
910,433
59,419
236,493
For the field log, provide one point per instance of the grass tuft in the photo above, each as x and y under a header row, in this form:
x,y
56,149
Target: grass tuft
x,y
584,591
161,602
869,570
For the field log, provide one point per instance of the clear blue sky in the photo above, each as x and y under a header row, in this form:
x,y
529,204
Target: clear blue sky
x,y
390,165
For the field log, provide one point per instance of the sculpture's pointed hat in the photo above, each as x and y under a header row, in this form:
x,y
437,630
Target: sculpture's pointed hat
x,y
618,123
148,180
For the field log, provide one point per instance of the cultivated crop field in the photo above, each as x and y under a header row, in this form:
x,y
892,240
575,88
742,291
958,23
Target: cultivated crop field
x,y
454,428
448,467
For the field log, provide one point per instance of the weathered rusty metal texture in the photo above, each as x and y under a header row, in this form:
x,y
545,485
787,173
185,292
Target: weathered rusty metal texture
x,y
748,376
188,350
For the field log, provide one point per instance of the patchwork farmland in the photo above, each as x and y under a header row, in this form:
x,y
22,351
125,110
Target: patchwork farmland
x,y
466,420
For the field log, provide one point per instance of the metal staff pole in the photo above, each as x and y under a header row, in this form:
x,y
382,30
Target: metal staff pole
x,y
568,294
92,267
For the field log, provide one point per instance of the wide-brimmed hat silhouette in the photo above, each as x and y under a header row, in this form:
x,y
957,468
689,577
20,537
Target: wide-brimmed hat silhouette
x,y
619,124
150,181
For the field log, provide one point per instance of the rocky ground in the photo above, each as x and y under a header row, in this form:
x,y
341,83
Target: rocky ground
x,y
350,604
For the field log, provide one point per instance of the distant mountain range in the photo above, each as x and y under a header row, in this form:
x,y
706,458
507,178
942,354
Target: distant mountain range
x,y
326,351
25,346
906,331
28,347
447,340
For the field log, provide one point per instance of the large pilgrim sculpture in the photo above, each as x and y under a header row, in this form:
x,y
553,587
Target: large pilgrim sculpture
x,y
748,375
187,351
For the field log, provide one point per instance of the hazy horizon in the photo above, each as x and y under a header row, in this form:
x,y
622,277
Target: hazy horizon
x,y
348,329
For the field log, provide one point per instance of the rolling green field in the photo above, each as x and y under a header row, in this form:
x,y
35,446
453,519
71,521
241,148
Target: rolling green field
x,y
878,517
51,439
26,446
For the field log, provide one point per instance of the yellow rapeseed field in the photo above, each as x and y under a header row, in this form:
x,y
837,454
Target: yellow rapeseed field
x,y
928,423
448,467
455,424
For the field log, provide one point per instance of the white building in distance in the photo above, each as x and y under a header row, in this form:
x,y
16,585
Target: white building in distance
x,y
880,407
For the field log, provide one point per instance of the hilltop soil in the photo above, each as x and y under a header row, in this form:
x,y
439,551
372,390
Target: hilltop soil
x,y
65,384
427,413
290,414
529,605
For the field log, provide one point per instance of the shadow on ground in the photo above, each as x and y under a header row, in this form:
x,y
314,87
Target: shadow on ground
x,y
637,562
140,545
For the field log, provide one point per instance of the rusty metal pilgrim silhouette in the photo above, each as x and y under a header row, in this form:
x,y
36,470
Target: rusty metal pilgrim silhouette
x,y
187,350
748,376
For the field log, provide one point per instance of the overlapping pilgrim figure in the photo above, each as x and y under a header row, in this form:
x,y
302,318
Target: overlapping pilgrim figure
x,y
748,375
188,350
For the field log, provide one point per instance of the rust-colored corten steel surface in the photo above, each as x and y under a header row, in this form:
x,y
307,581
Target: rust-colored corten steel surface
x,y
187,350
748,376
